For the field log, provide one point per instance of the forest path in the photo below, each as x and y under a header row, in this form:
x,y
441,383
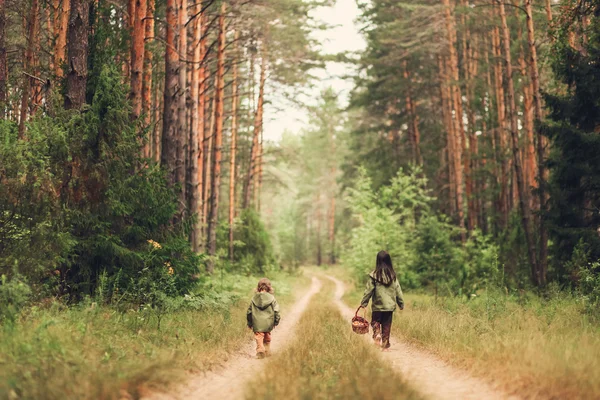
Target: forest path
x,y
425,372
230,381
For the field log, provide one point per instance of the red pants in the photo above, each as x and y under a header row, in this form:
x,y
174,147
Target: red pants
x,y
263,339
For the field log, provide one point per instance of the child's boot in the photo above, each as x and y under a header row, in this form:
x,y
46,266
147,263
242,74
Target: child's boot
x,y
260,355
268,349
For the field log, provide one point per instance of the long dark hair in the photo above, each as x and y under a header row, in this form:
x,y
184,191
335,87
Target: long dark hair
x,y
384,267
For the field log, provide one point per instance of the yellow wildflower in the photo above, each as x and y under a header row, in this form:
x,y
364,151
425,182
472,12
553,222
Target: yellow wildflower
x,y
171,271
155,244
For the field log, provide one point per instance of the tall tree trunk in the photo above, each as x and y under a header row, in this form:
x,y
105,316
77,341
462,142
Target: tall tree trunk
x,y
77,51
254,151
468,152
158,111
130,21
28,81
208,147
60,44
259,166
449,127
540,274
411,110
318,217
501,130
137,57
458,113
529,158
218,142
169,146
194,189
523,194
234,129
147,81
182,132
3,63
201,131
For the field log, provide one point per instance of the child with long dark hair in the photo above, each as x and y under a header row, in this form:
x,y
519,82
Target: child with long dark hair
x,y
383,287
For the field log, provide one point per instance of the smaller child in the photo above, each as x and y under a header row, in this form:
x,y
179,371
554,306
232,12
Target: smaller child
x,y
263,316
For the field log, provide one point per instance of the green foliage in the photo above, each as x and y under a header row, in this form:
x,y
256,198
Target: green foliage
x,y
77,202
424,246
589,286
14,294
253,250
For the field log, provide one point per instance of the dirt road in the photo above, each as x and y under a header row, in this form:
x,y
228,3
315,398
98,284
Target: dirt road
x,y
425,372
230,382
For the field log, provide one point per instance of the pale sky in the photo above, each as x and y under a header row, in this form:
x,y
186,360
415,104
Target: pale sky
x,y
344,36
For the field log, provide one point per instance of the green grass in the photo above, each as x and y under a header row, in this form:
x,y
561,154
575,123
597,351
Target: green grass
x,y
328,361
533,347
89,352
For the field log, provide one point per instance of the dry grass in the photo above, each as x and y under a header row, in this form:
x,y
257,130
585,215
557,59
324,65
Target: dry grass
x,y
99,353
532,347
328,361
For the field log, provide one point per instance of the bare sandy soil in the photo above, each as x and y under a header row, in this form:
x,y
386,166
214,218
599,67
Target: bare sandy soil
x,y
424,371
231,380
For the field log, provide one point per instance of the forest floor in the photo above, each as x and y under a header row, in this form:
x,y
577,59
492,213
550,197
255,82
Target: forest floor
x,y
420,374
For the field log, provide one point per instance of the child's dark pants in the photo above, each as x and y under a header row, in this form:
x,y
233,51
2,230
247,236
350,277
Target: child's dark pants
x,y
382,324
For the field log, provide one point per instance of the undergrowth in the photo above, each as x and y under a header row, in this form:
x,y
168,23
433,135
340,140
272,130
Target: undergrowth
x,y
536,347
92,351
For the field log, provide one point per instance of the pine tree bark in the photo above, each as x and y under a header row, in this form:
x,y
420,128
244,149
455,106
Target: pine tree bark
x,y
523,193
208,153
137,57
77,52
249,188
468,152
449,128
3,61
147,78
458,113
169,145
234,129
182,132
411,110
201,131
540,275
501,130
130,21
218,141
60,45
529,156
28,81
194,189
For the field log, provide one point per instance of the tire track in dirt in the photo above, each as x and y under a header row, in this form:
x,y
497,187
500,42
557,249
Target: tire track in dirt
x,y
425,372
229,382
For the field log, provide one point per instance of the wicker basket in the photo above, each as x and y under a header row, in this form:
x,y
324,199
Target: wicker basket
x,y
359,324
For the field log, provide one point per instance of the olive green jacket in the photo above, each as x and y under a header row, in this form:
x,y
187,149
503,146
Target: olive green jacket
x,y
385,294
263,312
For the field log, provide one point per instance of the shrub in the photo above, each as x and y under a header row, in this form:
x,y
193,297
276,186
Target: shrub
x,y
424,245
14,294
253,249
77,202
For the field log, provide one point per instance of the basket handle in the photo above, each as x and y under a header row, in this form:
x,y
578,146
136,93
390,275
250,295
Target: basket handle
x,y
358,309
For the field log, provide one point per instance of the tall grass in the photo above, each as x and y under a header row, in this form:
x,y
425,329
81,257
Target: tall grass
x,y
97,352
537,348
328,361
